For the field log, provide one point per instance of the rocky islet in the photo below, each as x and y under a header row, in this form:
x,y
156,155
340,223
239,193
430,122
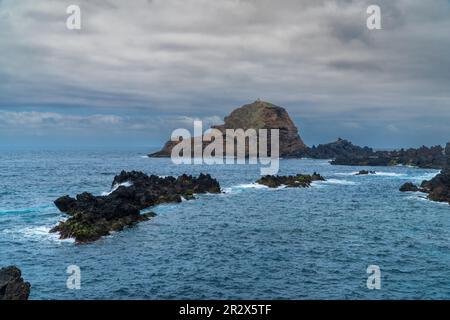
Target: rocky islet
x,y
92,217
292,181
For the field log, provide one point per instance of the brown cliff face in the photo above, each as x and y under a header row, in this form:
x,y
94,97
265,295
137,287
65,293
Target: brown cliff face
x,y
257,115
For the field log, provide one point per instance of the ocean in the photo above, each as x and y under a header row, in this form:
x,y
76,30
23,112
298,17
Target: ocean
x,y
250,242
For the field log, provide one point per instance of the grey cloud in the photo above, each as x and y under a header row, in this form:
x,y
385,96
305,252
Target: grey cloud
x,y
48,123
203,58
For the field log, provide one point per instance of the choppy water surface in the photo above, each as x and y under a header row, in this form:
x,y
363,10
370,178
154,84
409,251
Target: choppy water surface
x,y
250,242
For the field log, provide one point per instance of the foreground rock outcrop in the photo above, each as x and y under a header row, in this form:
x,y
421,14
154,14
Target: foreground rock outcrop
x,y
12,285
297,181
257,115
438,188
92,217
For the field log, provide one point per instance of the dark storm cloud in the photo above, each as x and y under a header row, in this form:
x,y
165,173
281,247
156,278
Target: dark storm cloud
x,y
202,58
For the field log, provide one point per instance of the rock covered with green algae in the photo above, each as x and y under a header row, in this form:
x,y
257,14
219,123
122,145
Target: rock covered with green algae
x,y
297,181
92,217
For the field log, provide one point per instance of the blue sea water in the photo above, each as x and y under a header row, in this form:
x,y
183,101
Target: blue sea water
x,y
250,242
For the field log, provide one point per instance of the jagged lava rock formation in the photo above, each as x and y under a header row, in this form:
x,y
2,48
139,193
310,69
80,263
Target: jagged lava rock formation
x,y
92,217
257,115
438,188
345,153
341,148
12,285
297,181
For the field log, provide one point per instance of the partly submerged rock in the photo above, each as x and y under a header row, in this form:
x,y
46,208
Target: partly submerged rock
x,y
12,285
297,181
365,172
92,217
409,187
257,115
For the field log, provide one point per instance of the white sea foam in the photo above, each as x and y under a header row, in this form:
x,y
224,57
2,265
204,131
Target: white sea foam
x,y
421,177
426,176
251,186
377,173
335,181
116,186
417,197
245,186
40,233
227,190
423,197
390,174
346,173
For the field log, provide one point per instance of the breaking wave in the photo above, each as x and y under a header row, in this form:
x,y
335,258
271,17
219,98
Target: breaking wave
x,y
335,181
116,186
38,233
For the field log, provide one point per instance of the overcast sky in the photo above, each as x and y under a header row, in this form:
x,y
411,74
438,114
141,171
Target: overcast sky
x,y
138,69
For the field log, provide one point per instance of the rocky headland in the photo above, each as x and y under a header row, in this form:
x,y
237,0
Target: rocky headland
x,y
297,181
257,115
92,217
12,285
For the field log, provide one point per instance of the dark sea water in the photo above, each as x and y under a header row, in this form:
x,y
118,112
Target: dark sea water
x,y
248,243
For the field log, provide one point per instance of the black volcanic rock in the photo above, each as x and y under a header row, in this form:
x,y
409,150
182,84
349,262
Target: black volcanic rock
x,y
339,149
12,285
297,181
343,152
256,115
409,186
92,217
365,172
438,188
423,157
